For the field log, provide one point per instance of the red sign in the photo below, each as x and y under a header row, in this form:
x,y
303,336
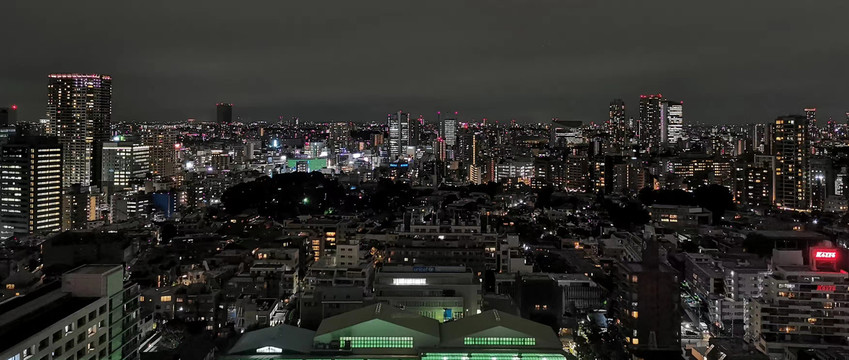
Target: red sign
x,y
825,254
826,287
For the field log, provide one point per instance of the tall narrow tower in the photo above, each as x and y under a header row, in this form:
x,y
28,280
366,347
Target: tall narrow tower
x,y
790,146
79,109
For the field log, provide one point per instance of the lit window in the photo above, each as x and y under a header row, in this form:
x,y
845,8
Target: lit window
x,y
407,281
165,298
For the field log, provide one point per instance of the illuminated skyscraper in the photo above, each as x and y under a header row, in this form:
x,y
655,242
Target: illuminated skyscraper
x,y
30,186
399,134
448,129
672,121
224,113
650,122
617,124
79,109
790,146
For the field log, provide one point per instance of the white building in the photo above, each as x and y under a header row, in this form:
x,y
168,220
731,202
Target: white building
x,y
88,315
438,292
803,306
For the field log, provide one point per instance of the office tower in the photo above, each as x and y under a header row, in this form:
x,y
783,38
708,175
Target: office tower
x,y
416,131
651,311
30,186
8,116
813,132
448,129
650,122
617,125
224,113
399,134
790,148
124,162
672,121
803,304
79,107
162,145
89,314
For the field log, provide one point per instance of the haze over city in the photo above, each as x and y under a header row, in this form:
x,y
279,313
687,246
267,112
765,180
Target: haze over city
x,y
732,61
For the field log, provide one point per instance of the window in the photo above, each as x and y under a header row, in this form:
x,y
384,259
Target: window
x,y
635,314
356,342
165,298
500,341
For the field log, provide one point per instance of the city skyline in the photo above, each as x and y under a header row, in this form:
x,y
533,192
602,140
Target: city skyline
x,y
731,64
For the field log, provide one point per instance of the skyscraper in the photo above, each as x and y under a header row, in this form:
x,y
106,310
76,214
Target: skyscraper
x,y
399,134
790,146
448,129
79,109
617,125
672,121
813,132
224,112
650,122
30,186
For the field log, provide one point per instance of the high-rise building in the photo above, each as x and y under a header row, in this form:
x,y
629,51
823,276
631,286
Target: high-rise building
x,y
802,306
162,145
813,132
30,186
650,122
790,146
79,108
672,121
339,136
399,134
224,112
90,314
448,129
617,124
123,162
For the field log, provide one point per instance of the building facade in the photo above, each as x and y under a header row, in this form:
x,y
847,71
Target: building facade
x,y
31,190
79,109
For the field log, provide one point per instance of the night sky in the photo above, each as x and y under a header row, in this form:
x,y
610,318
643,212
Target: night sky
x,y
737,61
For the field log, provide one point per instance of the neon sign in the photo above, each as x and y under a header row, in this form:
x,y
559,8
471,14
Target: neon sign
x,y
826,287
826,254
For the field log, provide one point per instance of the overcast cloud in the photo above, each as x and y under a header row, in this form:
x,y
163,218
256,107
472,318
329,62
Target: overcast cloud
x,y
729,61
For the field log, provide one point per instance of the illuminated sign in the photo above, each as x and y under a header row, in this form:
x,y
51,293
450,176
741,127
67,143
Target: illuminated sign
x,y
826,287
826,254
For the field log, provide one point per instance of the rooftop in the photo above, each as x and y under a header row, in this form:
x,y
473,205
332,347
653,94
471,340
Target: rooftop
x,y
24,316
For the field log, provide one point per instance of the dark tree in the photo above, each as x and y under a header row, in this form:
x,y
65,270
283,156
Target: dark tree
x,y
716,198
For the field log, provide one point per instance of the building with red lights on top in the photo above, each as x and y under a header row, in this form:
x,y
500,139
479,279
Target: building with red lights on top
x,y
804,305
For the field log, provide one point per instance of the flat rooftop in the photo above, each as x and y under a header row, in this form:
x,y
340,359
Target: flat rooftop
x,y
24,316
95,269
